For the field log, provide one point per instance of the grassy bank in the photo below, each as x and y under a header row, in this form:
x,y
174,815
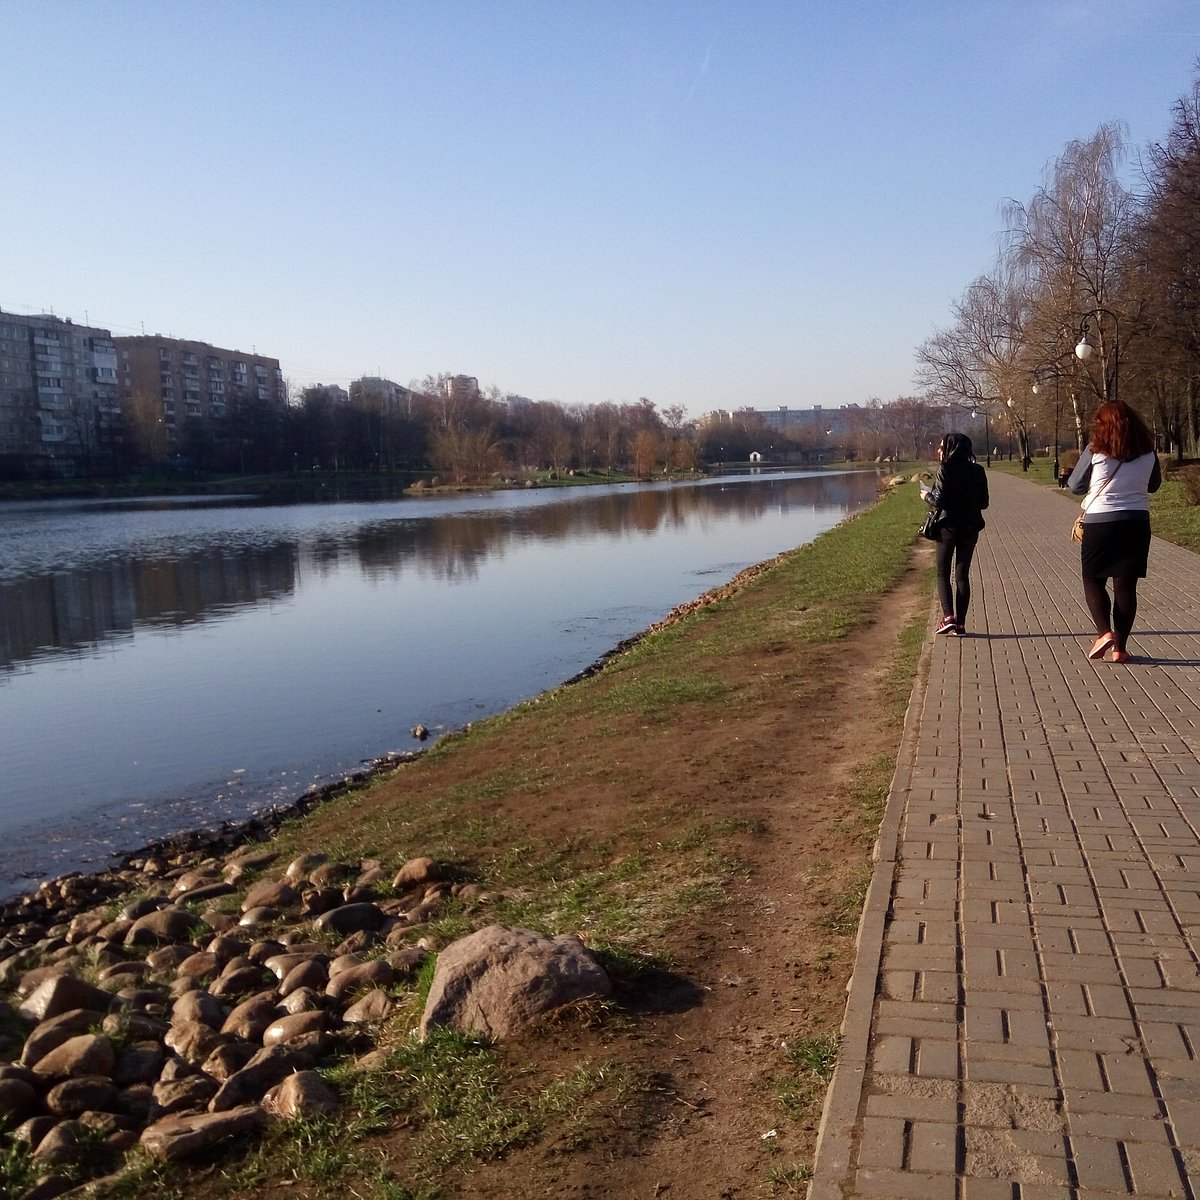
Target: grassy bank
x,y
701,813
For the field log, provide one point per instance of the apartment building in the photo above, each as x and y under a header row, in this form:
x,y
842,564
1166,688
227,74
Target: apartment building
x,y
180,394
59,409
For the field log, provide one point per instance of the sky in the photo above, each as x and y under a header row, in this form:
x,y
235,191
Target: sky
x,y
710,204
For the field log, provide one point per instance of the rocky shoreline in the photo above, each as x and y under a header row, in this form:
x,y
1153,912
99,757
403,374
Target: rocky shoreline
x,y
201,1009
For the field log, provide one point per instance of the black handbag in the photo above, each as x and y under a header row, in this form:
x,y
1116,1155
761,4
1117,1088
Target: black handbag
x,y
932,529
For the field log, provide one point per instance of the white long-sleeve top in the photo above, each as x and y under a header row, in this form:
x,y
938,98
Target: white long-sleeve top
x,y
1112,492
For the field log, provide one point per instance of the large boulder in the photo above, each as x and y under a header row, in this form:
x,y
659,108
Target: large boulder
x,y
87,1054
498,980
63,993
179,1137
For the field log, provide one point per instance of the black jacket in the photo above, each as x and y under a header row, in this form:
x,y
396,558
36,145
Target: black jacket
x,y
960,490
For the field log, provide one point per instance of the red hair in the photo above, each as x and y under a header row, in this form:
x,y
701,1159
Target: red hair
x,y
1118,432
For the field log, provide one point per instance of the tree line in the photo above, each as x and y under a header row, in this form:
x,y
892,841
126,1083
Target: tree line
x,y
1087,262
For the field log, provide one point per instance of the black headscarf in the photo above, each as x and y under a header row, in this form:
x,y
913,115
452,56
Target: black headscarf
x,y
957,446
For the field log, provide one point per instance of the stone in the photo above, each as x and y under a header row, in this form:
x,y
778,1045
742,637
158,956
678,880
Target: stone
x,y
192,1041
240,981
86,1054
143,906
32,979
228,1060
210,891
189,881
139,1062
331,874
250,1019
198,965
304,1094
349,918
60,994
278,893
258,916
189,1094
30,1133
287,1028
311,973
199,1006
48,1187
356,943
123,973
303,999
268,1067
360,978
74,1097
344,962
320,900
280,964
499,980
167,958
84,925
178,1137
261,951
225,946
164,926
53,1032
134,1025
299,868
17,1101
62,1145
374,1006
408,961
415,873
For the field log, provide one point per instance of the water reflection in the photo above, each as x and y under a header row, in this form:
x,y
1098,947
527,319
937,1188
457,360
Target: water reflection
x,y
96,595
168,668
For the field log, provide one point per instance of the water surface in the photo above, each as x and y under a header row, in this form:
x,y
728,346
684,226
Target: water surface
x,y
168,665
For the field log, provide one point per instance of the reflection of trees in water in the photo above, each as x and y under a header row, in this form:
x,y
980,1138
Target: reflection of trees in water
x,y
75,610
453,546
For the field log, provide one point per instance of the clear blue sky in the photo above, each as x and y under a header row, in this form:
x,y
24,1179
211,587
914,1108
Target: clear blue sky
x,y
712,204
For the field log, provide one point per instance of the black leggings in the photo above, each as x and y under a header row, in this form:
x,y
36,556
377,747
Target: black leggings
x,y
1116,614
955,546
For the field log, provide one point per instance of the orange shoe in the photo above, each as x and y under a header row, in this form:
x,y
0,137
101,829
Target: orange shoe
x,y
1100,646
1121,656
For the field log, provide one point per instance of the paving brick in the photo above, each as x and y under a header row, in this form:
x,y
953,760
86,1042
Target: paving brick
x,y
1042,847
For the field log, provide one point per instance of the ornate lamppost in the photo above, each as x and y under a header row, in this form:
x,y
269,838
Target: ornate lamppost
x,y
1084,349
1036,388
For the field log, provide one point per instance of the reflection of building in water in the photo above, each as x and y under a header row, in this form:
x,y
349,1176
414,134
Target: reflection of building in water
x,y
75,610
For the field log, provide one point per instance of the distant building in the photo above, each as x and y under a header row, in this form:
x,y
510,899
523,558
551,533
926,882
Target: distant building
x,y
380,395
59,410
461,387
818,420
173,390
333,392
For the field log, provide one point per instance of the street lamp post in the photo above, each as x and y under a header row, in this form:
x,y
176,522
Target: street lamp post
x,y
1021,420
987,437
1037,387
1084,348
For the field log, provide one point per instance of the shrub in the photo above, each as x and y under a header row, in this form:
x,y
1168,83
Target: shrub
x,y
1190,478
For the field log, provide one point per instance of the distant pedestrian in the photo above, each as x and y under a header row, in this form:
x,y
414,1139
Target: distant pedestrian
x,y
960,492
1118,471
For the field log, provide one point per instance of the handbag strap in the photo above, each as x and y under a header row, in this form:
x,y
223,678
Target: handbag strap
x,y
1102,487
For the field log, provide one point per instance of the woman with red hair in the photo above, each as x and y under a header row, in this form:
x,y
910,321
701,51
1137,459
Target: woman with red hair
x,y
1118,471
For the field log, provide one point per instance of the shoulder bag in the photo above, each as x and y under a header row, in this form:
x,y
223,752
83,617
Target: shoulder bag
x,y
1077,528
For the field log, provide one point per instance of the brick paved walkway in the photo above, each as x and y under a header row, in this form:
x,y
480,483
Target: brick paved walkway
x,y
1024,1017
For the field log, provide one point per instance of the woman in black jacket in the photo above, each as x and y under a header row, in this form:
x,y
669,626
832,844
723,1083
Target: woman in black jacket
x,y
960,492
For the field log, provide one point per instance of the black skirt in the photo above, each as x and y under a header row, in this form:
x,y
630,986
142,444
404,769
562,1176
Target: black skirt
x,y
1117,548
